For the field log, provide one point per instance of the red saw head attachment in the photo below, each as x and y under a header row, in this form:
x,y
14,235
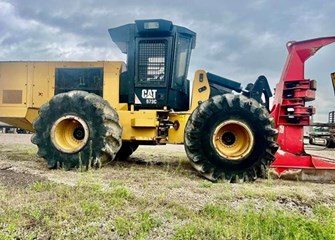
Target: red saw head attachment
x,y
291,114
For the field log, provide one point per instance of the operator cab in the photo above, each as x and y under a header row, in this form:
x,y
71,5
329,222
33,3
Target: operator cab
x,y
158,56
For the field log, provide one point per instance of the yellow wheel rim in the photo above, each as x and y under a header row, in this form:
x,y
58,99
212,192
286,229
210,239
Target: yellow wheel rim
x,y
233,140
69,134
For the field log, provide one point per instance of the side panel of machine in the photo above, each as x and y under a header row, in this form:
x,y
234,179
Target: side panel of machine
x,y
42,83
14,84
16,97
26,86
140,126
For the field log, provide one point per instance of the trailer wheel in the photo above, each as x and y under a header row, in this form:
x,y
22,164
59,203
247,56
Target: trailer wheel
x,y
330,143
126,150
231,137
77,129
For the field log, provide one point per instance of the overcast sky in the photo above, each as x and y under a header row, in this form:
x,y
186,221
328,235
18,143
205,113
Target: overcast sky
x,y
239,40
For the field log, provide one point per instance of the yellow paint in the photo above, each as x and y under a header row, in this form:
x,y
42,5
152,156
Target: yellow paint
x,y
62,134
13,76
18,122
123,106
112,72
36,80
201,89
176,136
233,140
31,115
144,122
40,78
132,129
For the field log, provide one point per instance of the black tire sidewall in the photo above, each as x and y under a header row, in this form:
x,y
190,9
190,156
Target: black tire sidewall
x,y
241,115
127,149
78,106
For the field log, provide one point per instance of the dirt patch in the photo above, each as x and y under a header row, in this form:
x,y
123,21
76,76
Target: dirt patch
x,y
10,178
155,183
161,172
15,139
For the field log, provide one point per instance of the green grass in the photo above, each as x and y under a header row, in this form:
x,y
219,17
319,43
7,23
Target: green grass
x,y
137,226
166,200
93,211
219,222
20,152
205,184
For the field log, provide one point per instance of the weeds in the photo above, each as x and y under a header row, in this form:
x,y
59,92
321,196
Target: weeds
x,y
20,153
137,226
220,222
205,184
40,186
134,201
92,210
116,183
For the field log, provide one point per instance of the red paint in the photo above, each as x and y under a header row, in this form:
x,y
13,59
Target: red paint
x,y
290,112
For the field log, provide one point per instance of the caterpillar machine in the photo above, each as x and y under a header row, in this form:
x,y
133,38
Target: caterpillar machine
x,y
84,114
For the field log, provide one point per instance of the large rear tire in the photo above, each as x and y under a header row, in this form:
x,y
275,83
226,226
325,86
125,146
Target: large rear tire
x,y
231,137
77,129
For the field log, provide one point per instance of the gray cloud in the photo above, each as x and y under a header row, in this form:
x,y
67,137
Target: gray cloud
x,y
239,40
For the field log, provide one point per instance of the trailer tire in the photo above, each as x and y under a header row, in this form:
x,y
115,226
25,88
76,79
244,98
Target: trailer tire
x,y
77,129
231,137
330,143
126,150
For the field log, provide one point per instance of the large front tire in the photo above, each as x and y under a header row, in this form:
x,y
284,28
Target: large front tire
x,y
77,129
230,137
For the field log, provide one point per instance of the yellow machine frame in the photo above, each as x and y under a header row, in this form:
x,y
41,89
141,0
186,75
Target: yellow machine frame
x,y
26,86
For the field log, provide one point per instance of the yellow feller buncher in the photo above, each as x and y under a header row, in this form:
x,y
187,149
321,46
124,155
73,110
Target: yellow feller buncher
x,y
84,114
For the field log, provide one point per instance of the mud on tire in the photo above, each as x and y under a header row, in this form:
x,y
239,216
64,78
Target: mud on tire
x,y
77,129
231,137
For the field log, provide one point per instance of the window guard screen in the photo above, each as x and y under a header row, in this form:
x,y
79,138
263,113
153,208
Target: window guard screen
x,y
152,55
